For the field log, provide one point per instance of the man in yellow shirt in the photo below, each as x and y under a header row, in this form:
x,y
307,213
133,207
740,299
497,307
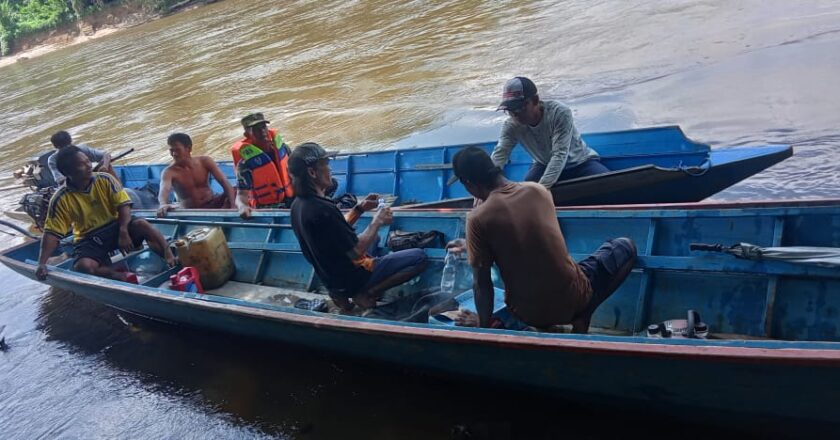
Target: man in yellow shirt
x,y
98,210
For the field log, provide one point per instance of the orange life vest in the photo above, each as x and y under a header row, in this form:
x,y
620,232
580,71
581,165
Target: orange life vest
x,y
272,183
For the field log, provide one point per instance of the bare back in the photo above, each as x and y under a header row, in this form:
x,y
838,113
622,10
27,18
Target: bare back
x,y
517,229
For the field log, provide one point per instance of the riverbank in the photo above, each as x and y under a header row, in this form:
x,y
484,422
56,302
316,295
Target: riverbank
x,y
96,25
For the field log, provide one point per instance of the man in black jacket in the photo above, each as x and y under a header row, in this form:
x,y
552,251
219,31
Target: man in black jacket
x,y
330,243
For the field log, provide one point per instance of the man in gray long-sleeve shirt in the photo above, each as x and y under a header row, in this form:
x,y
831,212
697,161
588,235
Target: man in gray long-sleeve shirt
x,y
547,131
62,139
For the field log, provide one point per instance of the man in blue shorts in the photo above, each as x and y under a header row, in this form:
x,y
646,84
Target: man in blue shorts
x,y
330,243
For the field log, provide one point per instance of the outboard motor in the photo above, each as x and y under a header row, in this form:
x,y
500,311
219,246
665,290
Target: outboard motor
x,y
145,197
43,177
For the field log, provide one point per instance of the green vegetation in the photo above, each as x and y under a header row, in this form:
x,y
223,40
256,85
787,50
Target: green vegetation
x,y
19,18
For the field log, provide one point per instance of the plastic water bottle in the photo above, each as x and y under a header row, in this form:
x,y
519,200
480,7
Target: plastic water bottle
x,y
450,270
464,280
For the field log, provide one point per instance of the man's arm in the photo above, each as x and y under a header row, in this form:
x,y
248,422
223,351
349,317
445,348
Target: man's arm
x,y
561,139
217,174
121,202
164,193
484,294
367,204
501,152
243,191
366,239
481,259
57,224
49,243
105,163
123,219
242,204
102,157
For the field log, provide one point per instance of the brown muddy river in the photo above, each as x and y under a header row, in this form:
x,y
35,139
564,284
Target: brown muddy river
x,y
372,75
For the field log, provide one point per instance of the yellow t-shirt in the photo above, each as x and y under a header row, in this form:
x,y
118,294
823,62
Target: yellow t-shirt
x,y
85,210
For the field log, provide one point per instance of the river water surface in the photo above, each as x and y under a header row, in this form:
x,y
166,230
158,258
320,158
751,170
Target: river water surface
x,y
357,75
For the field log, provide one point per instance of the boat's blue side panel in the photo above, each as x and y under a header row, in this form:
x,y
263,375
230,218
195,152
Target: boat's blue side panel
x,y
807,310
763,299
656,140
418,175
780,300
775,299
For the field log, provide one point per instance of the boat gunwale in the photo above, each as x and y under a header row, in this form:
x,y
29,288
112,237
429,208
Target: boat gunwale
x,y
705,350
659,210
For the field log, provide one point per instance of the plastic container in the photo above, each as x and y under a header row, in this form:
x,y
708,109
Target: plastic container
x,y
131,277
691,327
186,280
206,249
449,273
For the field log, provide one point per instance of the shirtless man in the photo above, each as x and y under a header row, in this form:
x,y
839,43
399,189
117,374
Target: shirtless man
x,y
189,177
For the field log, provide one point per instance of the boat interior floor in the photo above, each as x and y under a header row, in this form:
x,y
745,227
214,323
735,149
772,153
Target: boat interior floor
x,y
260,294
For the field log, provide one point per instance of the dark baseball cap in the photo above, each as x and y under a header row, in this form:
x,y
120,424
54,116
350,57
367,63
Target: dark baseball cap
x,y
472,164
253,119
307,155
516,92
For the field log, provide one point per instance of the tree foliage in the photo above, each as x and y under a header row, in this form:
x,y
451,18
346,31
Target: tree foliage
x,y
22,17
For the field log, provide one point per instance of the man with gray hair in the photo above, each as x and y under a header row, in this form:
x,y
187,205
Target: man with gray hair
x,y
329,242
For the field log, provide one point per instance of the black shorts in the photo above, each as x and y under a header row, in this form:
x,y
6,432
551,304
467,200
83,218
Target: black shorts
x,y
100,242
603,266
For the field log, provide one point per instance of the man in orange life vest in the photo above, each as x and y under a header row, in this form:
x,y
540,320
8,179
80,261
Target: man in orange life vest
x,y
261,159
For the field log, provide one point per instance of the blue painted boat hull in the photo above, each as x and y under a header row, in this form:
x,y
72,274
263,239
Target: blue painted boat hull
x,y
650,165
586,368
793,377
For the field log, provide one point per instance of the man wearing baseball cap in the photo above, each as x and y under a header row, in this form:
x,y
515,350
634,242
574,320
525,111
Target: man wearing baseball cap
x,y
261,161
544,286
330,243
547,131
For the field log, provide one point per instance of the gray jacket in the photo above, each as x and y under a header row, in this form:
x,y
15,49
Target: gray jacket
x,y
554,142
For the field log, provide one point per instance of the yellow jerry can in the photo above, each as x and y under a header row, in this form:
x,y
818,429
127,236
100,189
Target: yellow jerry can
x,y
207,250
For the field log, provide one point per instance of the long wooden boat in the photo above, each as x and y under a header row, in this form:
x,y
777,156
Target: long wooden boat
x,y
773,354
649,165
